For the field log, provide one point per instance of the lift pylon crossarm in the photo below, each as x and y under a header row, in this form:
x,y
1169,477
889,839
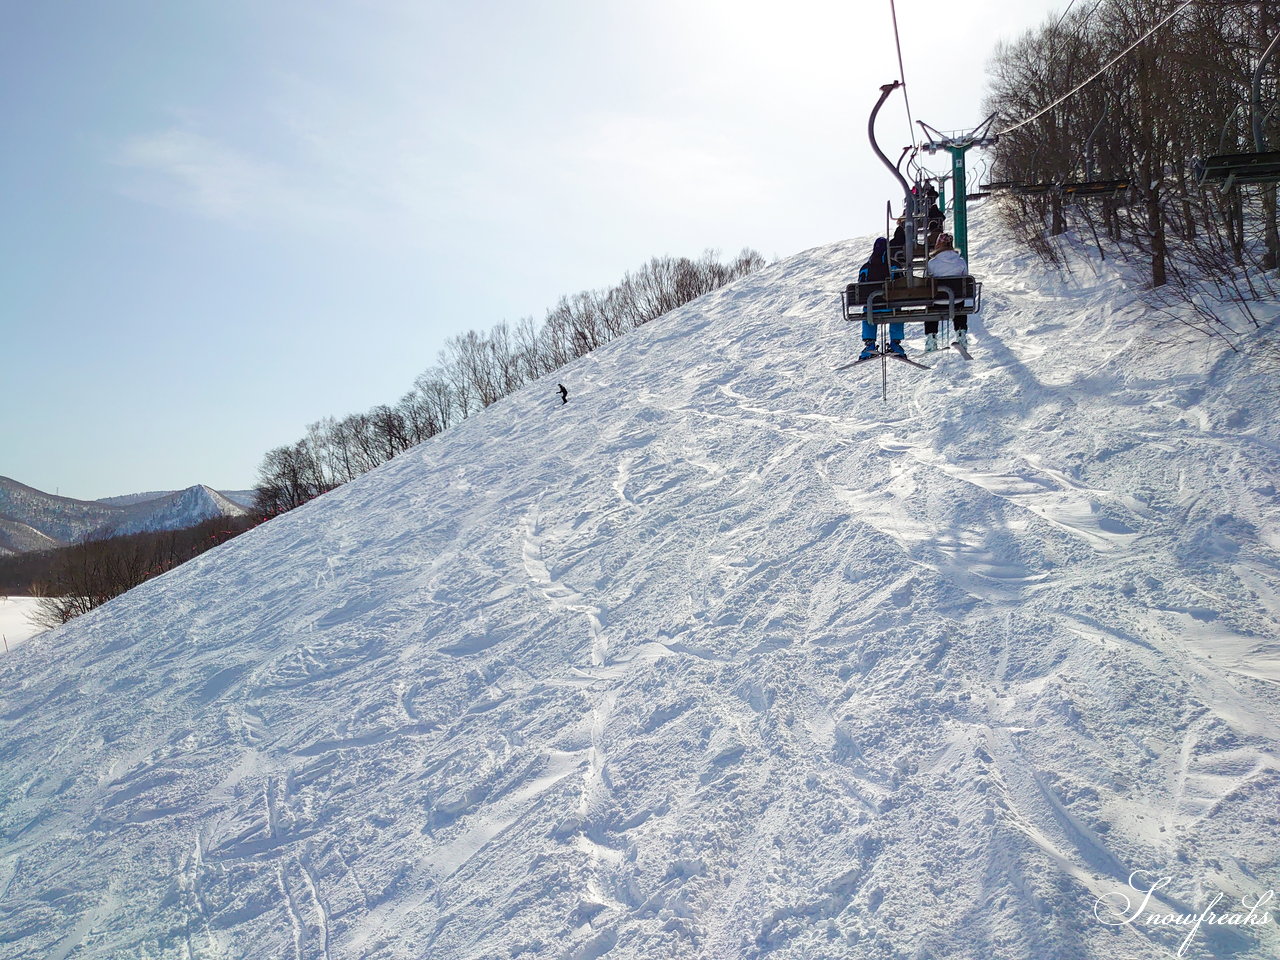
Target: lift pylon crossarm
x,y
980,136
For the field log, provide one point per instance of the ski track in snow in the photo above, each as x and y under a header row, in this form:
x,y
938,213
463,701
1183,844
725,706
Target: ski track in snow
x,y
727,658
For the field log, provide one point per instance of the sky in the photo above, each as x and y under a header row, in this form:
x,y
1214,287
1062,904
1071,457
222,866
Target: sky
x,y
226,219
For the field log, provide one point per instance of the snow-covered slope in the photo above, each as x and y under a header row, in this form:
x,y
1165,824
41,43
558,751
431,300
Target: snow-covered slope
x,y
31,519
18,537
726,658
16,625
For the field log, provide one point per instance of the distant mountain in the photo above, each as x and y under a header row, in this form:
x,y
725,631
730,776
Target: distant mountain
x,y
130,499
31,519
243,498
185,508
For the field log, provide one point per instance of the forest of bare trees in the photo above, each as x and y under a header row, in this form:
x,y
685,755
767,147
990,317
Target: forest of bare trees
x,y
75,579
475,370
1180,95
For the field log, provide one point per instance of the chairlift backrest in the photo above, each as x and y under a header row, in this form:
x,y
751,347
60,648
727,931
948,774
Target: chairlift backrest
x,y
1232,168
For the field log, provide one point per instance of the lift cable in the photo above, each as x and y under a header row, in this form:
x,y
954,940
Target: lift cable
x,y
1064,16
1124,53
902,72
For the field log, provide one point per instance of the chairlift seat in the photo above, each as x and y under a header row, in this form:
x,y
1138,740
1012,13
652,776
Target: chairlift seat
x,y
1034,189
1097,188
1089,188
898,255
1232,168
904,300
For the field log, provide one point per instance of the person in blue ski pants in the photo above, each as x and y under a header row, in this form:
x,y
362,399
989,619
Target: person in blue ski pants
x,y
877,268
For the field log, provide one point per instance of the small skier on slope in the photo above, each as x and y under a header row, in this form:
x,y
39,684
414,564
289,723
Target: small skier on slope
x,y
564,394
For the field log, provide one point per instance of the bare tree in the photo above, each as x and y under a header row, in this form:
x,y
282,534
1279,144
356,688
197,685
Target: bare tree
x,y
1180,94
475,370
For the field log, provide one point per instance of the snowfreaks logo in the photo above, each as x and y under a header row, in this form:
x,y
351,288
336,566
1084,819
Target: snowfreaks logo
x,y
1121,909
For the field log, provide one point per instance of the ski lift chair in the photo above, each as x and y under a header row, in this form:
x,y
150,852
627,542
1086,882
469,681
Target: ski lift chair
x,y
1097,188
1230,169
912,299
1034,189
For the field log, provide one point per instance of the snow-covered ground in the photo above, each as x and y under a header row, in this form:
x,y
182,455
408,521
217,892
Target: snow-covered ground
x,y
15,622
725,658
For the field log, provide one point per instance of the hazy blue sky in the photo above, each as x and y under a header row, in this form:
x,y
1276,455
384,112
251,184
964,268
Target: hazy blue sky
x,y
224,220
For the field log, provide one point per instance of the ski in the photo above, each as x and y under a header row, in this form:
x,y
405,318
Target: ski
x,y
877,356
960,347
874,356
922,366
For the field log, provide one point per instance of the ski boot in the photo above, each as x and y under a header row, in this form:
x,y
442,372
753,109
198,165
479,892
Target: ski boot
x,y
895,347
930,342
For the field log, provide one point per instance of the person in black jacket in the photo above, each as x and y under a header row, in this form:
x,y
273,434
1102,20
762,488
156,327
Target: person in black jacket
x,y
934,216
898,247
933,222
877,269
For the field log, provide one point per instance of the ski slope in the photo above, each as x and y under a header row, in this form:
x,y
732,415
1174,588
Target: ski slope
x,y
726,658
15,621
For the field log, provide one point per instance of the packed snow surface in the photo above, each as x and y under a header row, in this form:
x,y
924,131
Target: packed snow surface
x,y
726,658
15,620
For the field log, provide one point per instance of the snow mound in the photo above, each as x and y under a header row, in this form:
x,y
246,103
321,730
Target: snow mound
x,y
725,658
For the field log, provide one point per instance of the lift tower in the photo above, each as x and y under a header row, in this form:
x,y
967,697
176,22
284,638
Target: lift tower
x,y
958,145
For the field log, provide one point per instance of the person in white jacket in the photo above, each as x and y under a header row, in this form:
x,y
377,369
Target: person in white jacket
x,y
946,262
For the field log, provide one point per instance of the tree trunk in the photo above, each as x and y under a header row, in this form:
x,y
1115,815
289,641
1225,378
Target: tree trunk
x,y
1237,232
1272,258
1155,223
